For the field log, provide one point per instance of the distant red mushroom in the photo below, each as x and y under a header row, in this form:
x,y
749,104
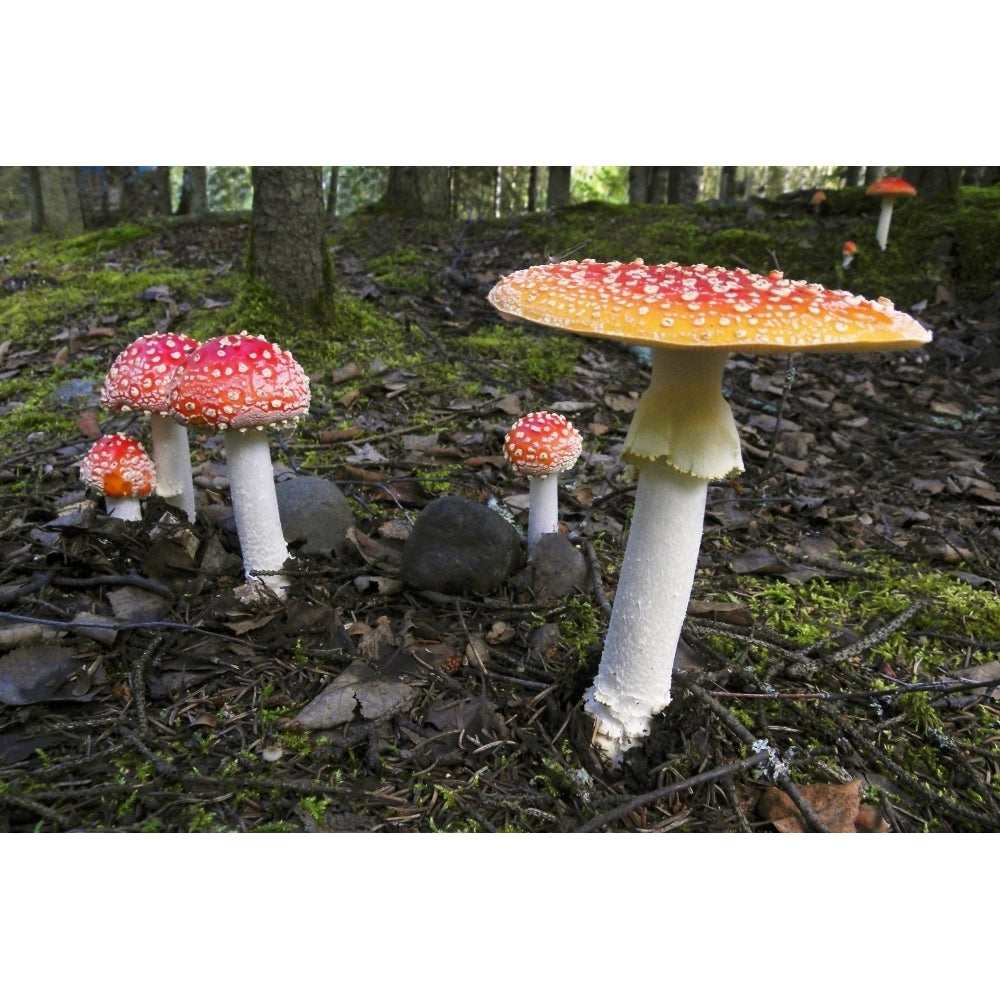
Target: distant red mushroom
x,y
118,467
888,189
241,385
849,253
540,446
140,379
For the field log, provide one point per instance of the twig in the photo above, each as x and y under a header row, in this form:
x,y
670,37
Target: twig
x,y
681,786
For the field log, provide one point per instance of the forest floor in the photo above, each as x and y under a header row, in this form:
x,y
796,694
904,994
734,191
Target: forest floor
x,y
840,669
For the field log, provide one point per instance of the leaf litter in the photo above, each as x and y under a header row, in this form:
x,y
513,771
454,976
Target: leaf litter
x,y
138,693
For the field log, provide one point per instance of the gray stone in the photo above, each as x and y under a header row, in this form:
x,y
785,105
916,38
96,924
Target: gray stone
x,y
314,512
460,547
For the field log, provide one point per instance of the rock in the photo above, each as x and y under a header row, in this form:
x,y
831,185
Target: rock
x,y
314,512
460,547
558,569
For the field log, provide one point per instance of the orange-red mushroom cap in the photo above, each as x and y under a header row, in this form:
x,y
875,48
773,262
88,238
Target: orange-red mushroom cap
x,y
140,377
891,187
119,467
672,305
541,444
239,382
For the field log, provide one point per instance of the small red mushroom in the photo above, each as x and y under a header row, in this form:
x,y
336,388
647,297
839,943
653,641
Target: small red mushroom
x,y
541,445
849,251
241,385
119,468
888,189
140,379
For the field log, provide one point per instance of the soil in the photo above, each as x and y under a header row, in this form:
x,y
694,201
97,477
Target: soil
x,y
137,692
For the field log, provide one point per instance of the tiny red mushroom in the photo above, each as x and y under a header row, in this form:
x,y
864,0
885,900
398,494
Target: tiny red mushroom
x,y
140,379
849,252
241,385
888,189
540,446
118,467
683,433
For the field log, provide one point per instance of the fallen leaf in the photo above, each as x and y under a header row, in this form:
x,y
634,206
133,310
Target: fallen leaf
x,y
838,806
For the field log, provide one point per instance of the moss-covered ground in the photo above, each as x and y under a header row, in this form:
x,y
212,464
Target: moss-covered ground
x,y
845,622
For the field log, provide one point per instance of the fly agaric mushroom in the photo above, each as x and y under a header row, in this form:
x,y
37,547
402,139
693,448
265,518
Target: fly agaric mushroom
x,y
118,467
683,433
849,252
241,385
888,189
541,445
140,379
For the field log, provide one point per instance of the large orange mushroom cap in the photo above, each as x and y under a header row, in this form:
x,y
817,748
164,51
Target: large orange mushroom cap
x,y
671,305
893,187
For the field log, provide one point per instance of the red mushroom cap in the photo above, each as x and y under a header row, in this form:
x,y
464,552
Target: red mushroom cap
x,y
818,198
239,382
540,444
140,376
891,187
119,467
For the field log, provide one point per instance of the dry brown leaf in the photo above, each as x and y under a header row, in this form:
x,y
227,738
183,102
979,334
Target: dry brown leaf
x,y
838,806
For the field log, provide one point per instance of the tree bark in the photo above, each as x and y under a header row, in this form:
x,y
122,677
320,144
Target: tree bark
x,y
331,195
435,191
164,202
854,176
932,181
558,193
638,185
58,209
658,190
402,194
287,249
727,184
194,192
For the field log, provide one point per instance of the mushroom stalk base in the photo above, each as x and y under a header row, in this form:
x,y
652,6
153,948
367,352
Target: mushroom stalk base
x,y
633,681
255,504
172,458
543,509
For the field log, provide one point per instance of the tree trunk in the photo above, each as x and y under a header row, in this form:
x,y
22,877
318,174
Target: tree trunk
x,y
435,191
164,202
683,185
873,174
854,176
287,251
194,192
559,178
727,184
658,192
932,181
331,195
402,194
533,190
638,185
58,209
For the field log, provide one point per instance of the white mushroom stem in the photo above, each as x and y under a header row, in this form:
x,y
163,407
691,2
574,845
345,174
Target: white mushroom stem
x,y
683,416
633,683
172,458
882,232
255,504
123,508
543,508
